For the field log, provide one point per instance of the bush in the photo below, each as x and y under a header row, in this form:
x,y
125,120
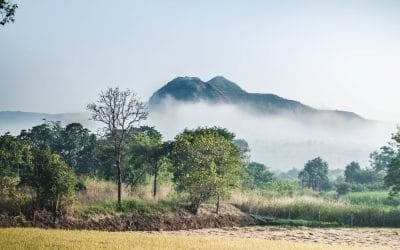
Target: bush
x,y
53,181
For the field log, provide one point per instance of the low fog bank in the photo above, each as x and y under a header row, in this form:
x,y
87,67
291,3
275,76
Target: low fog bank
x,y
284,141
15,121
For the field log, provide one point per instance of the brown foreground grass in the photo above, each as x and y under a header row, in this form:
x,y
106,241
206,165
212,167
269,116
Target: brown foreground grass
x,y
32,238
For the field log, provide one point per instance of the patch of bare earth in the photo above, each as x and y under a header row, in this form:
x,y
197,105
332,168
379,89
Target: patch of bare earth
x,y
361,237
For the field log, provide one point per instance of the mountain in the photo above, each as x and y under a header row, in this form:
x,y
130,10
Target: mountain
x,y
220,90
15,121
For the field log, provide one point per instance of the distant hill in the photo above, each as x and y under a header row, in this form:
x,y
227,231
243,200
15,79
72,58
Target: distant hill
x,y
15,121
220,90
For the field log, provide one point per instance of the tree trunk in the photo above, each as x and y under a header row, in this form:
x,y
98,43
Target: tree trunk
x,y
217,210
118,165
155,183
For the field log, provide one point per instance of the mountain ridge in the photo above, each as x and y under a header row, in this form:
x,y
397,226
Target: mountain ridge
x,y
220,90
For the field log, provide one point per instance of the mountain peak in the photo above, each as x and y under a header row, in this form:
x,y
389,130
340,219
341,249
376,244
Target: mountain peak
x,y
188,89
226,86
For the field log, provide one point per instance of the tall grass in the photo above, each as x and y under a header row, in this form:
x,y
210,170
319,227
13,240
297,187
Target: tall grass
x,y
101,190
99,198
319,209
371,198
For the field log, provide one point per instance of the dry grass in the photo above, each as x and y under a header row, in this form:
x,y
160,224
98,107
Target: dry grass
x,y
101,190
28,238
254,201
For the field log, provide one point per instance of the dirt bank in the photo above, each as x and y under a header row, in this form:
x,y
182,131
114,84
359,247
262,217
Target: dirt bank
x,y
135,221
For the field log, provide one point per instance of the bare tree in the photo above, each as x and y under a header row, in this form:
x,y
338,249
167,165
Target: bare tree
x,y
119,111
7,11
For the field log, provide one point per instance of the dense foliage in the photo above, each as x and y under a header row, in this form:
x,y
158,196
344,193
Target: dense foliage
x,y
315,175
207,164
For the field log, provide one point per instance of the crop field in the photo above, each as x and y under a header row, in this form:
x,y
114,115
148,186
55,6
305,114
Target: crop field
x,y
30,238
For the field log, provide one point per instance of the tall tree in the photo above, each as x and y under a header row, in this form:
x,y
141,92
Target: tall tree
x,y
7,11
207,165
119,110
352,172
148,155
315,175
392,178
75,139
258,176
381,158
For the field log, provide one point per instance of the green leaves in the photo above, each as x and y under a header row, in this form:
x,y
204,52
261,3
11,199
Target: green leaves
x,y
206,164
315,175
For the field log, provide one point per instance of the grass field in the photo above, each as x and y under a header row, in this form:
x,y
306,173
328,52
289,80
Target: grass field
x,y
31,238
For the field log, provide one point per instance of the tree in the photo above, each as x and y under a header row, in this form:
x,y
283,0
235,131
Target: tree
x,y
258,176
291,174
392,178
119,111
148,155
315,175
46,136
342,188
381,158
207,165
243,145
15,155
363,178
352,172
52,179
75,140
7,11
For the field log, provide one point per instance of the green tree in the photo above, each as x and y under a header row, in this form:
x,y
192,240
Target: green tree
x,y
381,158
119,111
148,156
7,11
53,180
342,188
368,178
46,136
392,178
207,165
315,175
75,138
352,172
15,155
257,176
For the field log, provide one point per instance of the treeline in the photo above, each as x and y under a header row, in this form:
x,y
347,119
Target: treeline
x,y
380,175
46,162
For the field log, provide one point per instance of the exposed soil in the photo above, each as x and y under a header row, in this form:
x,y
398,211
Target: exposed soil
x,y
136,221
363,237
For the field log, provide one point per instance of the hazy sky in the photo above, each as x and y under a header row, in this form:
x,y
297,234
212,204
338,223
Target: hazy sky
x,y
327,54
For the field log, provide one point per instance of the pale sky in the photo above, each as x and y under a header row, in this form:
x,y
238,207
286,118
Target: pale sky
x,y
343,55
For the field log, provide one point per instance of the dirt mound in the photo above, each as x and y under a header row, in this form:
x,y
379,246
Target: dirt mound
x,y
136,221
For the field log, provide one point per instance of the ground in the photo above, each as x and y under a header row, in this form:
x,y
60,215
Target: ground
x,y
224,238
361,237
